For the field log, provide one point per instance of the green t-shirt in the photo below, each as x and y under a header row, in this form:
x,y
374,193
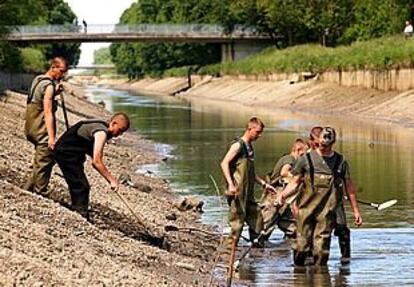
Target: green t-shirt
x,y
321,165
284,160
39,87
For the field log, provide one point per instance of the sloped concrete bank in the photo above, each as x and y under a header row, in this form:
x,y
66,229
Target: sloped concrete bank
x,y
375,96
43,243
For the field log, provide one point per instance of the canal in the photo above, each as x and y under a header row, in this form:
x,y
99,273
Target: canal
x,y
195,134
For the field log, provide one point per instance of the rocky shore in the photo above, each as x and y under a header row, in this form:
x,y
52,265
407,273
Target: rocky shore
x,y
43,243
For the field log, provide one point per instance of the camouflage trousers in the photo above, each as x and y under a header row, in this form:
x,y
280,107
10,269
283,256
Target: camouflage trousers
x,y
276,216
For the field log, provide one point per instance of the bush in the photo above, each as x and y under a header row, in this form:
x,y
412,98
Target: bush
x,y
33,60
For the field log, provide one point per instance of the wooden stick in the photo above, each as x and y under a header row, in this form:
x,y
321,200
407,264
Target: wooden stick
x,y
231,262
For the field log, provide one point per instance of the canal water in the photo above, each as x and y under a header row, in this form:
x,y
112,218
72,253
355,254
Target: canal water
x,y
195,134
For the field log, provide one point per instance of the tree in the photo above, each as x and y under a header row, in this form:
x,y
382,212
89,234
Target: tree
x,y
373,19
102,56
26,12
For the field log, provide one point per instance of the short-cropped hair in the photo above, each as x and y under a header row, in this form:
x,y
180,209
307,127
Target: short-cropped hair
x,y
124,116
255,121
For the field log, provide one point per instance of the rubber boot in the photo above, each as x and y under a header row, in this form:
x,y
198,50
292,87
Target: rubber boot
x,y
299,258
344,240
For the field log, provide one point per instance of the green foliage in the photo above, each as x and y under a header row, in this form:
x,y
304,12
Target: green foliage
x,y
288,22
27,12
102,56
139,59
378,54
33,60
373,19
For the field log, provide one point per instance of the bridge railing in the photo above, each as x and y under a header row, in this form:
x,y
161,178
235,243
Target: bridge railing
x,y
138,28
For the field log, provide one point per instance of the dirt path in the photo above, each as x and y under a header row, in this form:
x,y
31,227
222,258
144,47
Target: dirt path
x,y
42,243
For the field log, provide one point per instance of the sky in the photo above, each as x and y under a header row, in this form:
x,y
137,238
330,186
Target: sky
x,y
97,12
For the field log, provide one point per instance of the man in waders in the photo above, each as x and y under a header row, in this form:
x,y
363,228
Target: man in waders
x,y
87,138
40,125
279,178
341,229
239,172
324,172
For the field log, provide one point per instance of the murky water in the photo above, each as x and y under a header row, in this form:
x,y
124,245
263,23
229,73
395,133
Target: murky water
x,y
195,136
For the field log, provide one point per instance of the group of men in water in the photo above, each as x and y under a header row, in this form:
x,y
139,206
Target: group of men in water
x,y
303,195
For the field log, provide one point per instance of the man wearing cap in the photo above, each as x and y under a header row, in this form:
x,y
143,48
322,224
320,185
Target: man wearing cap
x,y
324,173
341,229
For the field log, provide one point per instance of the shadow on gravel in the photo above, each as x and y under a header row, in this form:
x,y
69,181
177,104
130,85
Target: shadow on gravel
x,y
104,217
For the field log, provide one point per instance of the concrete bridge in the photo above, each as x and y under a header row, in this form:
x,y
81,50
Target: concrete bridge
x,y
238,44
94,67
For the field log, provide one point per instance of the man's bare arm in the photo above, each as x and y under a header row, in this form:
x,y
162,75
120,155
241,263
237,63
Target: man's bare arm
x,y
225,167
264,184
285,171
49,117
289,190
97,161
350,190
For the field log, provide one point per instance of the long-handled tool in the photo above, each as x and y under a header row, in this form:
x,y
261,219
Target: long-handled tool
x,y
140,222
231,262
65,114
221,229
379,206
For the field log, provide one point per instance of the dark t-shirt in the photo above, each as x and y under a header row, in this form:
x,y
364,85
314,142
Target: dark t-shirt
x,y
88,130
321,165
284,160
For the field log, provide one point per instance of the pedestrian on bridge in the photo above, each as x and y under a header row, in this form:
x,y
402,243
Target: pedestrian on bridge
x,y
85,26
40,123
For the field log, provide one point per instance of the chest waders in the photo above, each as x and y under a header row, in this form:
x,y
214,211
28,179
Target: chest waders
x,y
70,155
317,204
244,208
36,133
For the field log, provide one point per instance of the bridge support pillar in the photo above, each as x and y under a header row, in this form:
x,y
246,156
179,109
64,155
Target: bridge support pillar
x,y
238,50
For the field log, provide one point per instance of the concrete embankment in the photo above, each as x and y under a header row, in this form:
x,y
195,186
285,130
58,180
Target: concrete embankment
x,y
43,243
378,96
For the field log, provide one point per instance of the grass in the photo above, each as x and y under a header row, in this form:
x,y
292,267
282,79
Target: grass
x,y
377,54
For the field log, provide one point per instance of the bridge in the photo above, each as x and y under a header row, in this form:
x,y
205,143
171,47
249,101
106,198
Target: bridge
x,y
94,67
237,44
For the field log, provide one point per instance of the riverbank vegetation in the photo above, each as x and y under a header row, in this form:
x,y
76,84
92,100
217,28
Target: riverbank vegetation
x,y
377,54
33,58
312,26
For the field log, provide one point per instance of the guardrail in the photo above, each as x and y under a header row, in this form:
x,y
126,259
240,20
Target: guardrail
x,y
139,28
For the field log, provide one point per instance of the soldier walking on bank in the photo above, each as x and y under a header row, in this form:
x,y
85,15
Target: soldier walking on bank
x,y
324,173
239,172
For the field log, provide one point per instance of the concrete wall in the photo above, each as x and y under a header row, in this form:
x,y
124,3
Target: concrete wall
x,y
20,82
239,50
392,80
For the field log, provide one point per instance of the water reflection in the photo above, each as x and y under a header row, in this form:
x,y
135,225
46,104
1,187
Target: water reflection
x,y
195,134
